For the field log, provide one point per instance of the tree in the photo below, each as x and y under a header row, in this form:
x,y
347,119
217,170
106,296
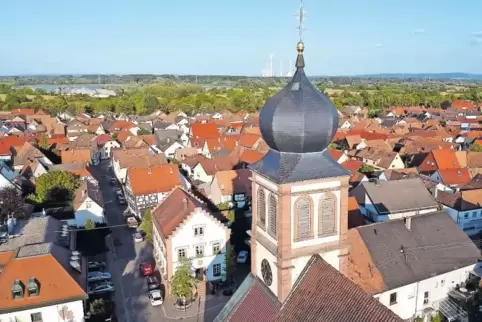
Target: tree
x,y
182,281
229,263
55,186
11,204
143,131
474,147
101,309
89,224
42,143
366,168
146,225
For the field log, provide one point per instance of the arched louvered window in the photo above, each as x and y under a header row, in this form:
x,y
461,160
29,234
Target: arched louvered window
x,y
304,220
261,208
272,215
327,215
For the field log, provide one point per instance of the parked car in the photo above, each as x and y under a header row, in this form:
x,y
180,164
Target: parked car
x,y
95,265
156,297
138,238
101,289
132,222
98,276
146,269
242,257
152,283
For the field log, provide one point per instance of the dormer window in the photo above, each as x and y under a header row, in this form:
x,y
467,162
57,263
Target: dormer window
x,y
33,287
17,290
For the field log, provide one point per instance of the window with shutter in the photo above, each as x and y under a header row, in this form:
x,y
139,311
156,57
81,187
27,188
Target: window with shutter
x,y
303,219
272,214
261,208
326,216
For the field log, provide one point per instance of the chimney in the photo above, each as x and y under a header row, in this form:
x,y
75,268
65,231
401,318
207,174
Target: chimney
x,y
170,170
149,171
184,204
408,222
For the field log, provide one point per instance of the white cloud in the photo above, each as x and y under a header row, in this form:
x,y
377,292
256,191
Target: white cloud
x,y
379,45
477,34
419,31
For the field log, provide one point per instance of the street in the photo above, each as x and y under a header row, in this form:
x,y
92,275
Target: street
x,y
123,259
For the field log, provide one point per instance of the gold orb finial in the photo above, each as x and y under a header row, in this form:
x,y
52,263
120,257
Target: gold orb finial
x,y
300,47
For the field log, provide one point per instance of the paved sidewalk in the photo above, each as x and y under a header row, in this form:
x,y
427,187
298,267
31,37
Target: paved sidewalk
x,y
203,309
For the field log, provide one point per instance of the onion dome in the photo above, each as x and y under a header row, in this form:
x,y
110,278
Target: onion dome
x,y
298,124
298,119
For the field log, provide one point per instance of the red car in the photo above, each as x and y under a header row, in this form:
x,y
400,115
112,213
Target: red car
x,y
146,269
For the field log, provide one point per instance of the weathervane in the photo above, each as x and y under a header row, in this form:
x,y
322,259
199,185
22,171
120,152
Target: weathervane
x,y
301,15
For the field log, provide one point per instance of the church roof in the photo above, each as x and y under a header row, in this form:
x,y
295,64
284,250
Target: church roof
x,y
298,124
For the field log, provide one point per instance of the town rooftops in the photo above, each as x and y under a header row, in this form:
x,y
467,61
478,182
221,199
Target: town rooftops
x,y
234,181
399,195
407,254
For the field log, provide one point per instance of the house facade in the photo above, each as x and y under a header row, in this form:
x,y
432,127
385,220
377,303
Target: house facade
x,y
185,230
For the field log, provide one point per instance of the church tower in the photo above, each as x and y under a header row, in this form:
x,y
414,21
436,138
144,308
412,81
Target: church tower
x,y
300,194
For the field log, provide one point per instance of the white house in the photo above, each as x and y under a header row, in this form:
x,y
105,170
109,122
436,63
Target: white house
x,y
400,261
394,199
185,229
37,282
465,208
106,145
217,116
88,203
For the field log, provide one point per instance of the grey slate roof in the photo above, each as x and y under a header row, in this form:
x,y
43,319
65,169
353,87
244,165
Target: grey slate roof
x,y
298,124
434,245
299,118
282,167
35,230
399,195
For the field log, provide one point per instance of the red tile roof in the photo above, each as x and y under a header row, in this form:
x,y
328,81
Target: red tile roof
x,y
56,285
103,139
258,304
154,179
352,165
171,212
445,159
23,111
335,154
8,142
204,130
459,176
313,298
250,156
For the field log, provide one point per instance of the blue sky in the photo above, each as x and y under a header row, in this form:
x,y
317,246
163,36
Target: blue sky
x,y
343,37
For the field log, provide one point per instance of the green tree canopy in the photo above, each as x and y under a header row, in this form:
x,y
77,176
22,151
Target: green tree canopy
x,y
474,147
55,186
146,225
89,224
229,262
182,281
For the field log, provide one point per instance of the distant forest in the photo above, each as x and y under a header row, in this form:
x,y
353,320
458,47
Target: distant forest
x,y
239,81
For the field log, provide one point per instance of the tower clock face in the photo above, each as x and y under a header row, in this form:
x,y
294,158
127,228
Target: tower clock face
x,y
266,272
